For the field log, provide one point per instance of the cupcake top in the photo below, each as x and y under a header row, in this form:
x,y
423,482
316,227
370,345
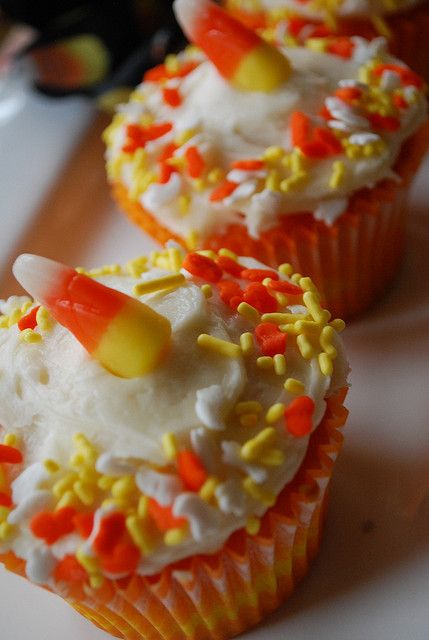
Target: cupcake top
x,y
199,151
323,8
109,474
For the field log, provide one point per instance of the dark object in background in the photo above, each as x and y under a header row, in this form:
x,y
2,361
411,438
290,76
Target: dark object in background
x,y
93,47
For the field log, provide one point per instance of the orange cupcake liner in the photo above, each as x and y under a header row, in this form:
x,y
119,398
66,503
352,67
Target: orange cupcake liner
x,y
351,262
408,32
214,597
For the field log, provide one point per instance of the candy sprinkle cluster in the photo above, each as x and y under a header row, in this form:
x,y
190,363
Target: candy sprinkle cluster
x,y
97,515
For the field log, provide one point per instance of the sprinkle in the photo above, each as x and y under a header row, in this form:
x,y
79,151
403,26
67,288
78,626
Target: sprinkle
x,y
312,303
248,165
69,570
158,284
298,416
169,445
7,530
285,287
247,406
68,499
10,439
163,516
270,339
305,347
202,267
338,173
280,363
84,524
191,470
175,536
10,455
273,181
30,336
253,525
51,466
273,458
224,190
258,275
52,526
106,483
96,581
326,337
222,347
227,253
123,487
208,489
296,277
229,265
215,175
62,485
171,96
381,25
29,320
184,136
140,534
111,528
258,493
257,296
5,500
246,343
143,507
89,563
281,318
307,284
285,269
265,362
253,448
249,420
84,492
274,413
248,312
294,386
184,202
207,290
325,364
123,559
338,324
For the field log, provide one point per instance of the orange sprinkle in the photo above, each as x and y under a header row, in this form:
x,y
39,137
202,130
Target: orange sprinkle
x,y
160,72
112,527
299,128
52,526
223,190
69,570
283,286
29,321
84,523
9,454
406,75
123,559
257,275
163,516
167,152
165,171
298,416
228,290
348,94
248,165
195,162
5,500
191,470
342,47
172,97
229,266
202,267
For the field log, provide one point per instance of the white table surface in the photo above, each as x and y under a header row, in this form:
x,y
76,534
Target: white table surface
x,y
371,579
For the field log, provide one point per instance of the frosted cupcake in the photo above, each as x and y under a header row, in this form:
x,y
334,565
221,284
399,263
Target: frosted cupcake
x,y
404,23
286,155
169,433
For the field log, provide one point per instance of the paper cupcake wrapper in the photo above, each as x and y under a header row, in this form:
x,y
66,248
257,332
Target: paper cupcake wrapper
x,y
408,29
214,597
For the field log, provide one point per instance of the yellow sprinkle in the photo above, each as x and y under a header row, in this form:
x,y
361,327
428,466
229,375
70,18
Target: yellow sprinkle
x,y
198,184
305,347
311,301
62,485
123,487
4,322
253,525
222,347
254,447
273,181
215,175
67,500
137,266
106,483
265,362
6,531
3,479
246,343
381,25
51,466
158,284
192,240
84,492
96,581
227,253
325,364
308,327
281,298
337,175
317,44
88,475
10,439
30,336
297,162
258,493
247,311
295,278
280,318
279,364
174,536
117,503
4,512
169,445
274,413
140,534
172,63
273,153
297,180
273,457
338,324
44,319
248,406
207,290
176,258
294,386
326,337
184,136
14,316
307,284
249,420
208,489
286,269
184,203
143,507
207,253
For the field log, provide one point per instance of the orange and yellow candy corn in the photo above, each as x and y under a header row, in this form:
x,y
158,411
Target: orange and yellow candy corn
x,y
240,55
124,335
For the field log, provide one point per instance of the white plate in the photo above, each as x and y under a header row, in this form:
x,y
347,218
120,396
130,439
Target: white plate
x,y
371,579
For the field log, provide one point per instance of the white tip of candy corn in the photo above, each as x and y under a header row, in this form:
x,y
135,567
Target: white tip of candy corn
x,y
38,275
188,12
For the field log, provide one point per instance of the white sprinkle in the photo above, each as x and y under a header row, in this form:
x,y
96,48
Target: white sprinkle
x,y
164,487
157,194
111,465
203,519
244,190
40,565
28,507
362,139
239,175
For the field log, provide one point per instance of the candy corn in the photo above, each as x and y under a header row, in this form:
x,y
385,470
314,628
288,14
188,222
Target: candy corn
x,y
240,55
126,336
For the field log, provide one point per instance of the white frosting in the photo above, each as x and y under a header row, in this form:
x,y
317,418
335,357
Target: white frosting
x,y
231,125
52,389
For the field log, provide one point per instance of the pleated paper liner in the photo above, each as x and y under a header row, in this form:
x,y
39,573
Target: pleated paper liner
x,y
214,597
407,29
351,262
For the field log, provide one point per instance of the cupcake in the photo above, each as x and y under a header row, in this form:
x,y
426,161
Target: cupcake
x,y
404,23
169,430
287,155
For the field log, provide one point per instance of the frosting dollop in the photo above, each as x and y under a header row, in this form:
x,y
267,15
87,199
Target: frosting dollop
x,y
168,464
